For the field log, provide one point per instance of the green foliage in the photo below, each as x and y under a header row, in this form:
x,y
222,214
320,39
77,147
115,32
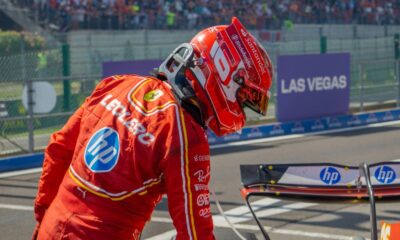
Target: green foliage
x,y
288,24
11,42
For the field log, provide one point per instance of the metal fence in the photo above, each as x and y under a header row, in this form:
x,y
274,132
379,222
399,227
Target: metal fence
x,y
74,70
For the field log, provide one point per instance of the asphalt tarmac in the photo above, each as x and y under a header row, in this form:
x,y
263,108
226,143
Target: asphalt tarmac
x,y
284,219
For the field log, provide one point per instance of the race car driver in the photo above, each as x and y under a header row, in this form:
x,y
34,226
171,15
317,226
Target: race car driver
x,y
136,138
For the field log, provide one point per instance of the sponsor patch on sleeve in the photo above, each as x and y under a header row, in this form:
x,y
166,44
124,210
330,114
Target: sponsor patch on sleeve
x,y
148,100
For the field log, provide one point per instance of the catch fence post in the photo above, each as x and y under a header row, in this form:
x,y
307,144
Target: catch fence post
x,y
66,73
361,77
28,82
323,44
397,46
397,63
31,127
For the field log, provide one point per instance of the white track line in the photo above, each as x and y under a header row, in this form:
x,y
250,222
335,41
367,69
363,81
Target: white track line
x,y
163,236
294,232
161,219
167,235
21,172
242,213
16,207
293,136
284,209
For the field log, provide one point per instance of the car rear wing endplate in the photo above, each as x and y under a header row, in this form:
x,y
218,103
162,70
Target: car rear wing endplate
x,y
322,180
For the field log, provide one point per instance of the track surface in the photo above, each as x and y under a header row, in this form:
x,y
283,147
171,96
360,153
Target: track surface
x,y
289,219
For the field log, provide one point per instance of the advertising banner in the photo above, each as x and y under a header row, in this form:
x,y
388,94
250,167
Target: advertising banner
x,y
307,126
139,67
312,86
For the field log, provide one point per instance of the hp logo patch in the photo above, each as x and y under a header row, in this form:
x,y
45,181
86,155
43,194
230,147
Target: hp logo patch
x,y
330,175
102,151
385,174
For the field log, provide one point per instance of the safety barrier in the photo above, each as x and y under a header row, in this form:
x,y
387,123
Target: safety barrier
x,y
307,126
21,162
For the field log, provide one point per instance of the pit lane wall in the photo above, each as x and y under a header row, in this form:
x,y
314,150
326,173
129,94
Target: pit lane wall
x,y
250,133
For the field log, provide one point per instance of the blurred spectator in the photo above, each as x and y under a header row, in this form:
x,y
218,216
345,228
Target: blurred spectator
x,y
171,18
65,15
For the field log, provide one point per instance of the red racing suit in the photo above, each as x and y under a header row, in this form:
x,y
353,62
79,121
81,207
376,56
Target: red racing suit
x,y
108,167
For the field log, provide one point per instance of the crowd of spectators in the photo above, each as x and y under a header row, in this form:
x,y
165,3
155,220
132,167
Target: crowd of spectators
x,y
65,15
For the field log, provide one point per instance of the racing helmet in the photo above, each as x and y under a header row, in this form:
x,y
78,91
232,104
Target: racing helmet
x,y
222,70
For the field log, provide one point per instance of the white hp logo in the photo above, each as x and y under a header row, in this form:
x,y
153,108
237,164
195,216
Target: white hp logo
x,y
102,151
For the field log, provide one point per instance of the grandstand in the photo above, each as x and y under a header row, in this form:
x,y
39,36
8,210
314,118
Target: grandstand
x,y
66,15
